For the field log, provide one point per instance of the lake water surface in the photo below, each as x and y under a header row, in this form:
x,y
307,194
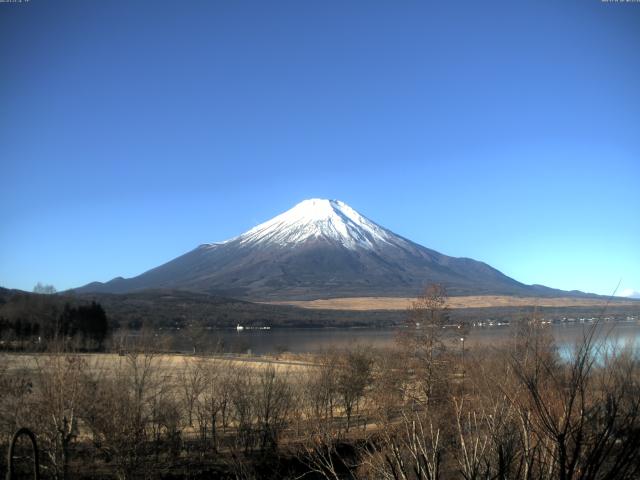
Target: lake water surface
x,y
308,340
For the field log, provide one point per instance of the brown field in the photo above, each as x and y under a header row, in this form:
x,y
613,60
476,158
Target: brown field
x,y
479,301
168,363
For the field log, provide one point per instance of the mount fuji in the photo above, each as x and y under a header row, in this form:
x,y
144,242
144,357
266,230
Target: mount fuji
x,y
320,249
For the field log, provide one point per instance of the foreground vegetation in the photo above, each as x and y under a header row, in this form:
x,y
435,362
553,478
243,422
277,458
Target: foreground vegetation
x,y
427,409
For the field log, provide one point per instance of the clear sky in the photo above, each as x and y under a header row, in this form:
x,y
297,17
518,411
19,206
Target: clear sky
x,y
505,131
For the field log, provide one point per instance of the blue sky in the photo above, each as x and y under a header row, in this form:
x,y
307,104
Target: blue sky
x,y
509,132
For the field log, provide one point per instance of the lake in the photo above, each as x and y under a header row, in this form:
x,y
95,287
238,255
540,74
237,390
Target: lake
x,y
309,340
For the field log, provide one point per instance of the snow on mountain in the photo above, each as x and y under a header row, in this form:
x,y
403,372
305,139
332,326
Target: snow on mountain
x,y
318,218
319,249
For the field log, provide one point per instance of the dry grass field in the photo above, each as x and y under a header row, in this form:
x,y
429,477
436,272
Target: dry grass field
x,y
169,364
479,301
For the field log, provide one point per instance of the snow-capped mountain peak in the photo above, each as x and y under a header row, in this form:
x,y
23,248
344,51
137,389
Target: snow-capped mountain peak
x,y
319,249
318,218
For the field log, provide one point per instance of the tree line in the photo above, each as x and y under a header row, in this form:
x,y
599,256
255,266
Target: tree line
x,y
30,322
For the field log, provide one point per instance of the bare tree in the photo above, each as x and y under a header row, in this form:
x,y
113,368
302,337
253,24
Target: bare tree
x,y
44,289
409,448
321,453
191,383
321,388
389,385
584,416
242,404
61,389
16,392
196,334
473,443
423,340
272,406
123,408
353,377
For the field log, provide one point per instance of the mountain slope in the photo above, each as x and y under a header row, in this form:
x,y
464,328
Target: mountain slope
x,y
320,249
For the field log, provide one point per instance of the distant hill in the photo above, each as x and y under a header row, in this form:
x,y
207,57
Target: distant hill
x,y
174,308
321,249
171,309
